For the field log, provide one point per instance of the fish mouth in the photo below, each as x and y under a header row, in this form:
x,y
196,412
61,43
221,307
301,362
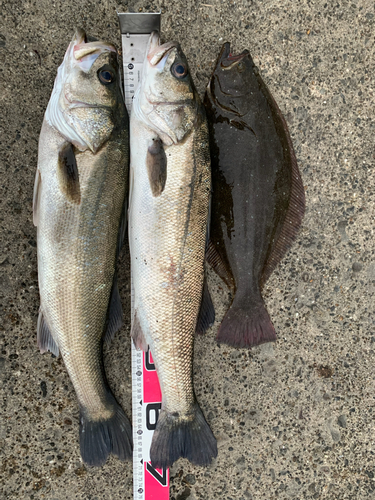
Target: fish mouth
x,y
215,87
157,52
81,50
84,53
225,61
228,60
164,103
73,103
83,47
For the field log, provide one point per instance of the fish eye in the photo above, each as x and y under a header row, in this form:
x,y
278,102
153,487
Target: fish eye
x,y
179,70
105,76
240,67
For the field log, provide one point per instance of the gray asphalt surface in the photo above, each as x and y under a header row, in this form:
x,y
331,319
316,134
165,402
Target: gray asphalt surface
x,y
293,419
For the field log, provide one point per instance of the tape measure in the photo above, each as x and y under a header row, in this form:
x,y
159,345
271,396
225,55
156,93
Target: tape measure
x,y
148,483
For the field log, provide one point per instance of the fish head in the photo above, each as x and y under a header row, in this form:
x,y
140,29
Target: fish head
x,y
167,99
87,93
233,79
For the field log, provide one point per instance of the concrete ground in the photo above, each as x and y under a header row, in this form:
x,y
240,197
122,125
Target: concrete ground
x,y
294,419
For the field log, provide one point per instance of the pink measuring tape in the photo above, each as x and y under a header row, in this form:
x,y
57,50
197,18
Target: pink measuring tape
x,y
149,482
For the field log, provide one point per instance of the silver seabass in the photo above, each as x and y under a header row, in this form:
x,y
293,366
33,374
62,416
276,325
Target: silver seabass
x,y
80,188
170,182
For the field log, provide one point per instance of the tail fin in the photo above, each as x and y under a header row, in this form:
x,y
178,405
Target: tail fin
x,y
99,438
188,437
246,324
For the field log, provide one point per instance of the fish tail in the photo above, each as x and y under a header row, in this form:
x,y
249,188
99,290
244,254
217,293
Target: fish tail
x,y
188,437
99,438
246,324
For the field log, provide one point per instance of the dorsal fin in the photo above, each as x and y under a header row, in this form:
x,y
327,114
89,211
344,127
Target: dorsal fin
x,y
296,208
156,167
67,173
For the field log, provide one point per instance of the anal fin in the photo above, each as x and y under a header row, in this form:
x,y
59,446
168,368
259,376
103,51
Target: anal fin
x,y
114,319
45,341
206,316
216,262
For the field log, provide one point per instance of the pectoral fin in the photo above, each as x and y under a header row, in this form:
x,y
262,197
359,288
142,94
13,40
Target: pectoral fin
x,y
67,172
156,167
241,125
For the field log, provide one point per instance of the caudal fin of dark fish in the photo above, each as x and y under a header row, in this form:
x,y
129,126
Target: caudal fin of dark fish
x,y
176,437
99,438
246,324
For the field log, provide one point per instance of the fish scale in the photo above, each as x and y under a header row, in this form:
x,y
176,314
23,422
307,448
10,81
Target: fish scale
x,y
70,275
171,264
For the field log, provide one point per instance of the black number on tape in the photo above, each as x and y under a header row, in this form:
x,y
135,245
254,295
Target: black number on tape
x,y
149,366
160,478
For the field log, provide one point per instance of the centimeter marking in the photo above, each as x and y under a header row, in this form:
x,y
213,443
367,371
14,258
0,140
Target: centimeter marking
x,y
148,483
137,401
135,29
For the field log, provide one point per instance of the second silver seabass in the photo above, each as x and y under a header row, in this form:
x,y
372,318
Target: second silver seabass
x,y
170,182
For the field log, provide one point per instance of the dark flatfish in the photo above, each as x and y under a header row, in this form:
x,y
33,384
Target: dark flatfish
x,y
258,197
